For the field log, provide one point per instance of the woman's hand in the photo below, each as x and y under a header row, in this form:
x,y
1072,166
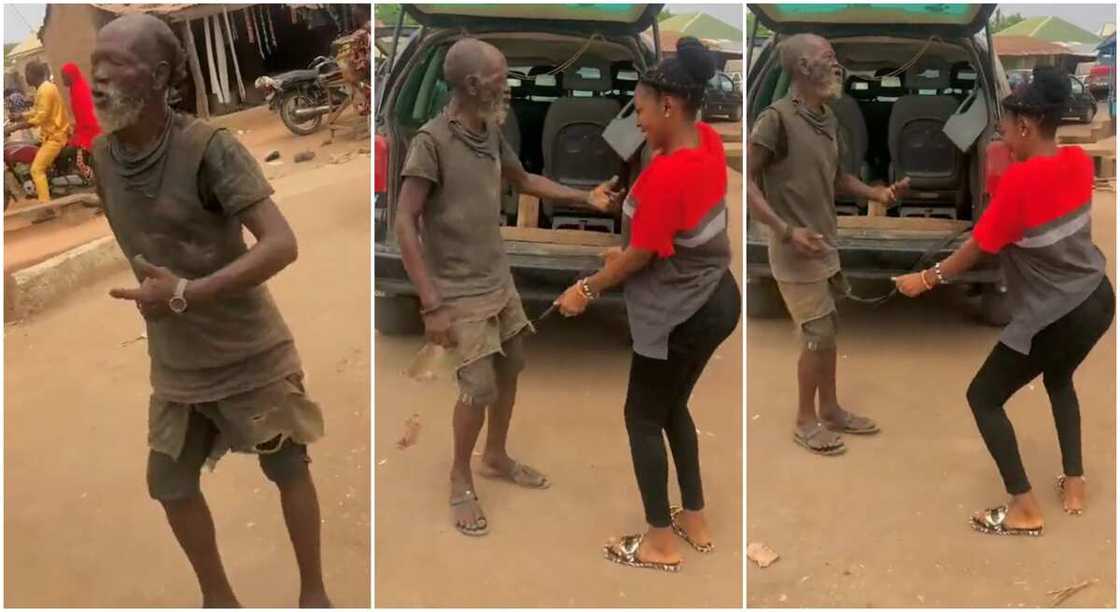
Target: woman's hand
x,y
911,285
572,302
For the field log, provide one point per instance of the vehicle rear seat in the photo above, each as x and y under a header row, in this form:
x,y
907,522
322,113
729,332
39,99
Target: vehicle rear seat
x,y
575,153
531,108
853,128
919,147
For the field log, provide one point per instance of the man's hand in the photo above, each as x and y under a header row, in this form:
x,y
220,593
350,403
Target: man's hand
x,y
606,197
572,302
808,243
437,328
890,194
610,255
154,294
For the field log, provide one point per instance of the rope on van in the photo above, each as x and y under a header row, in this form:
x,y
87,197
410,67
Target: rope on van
x,y
575,58
918,265
913,61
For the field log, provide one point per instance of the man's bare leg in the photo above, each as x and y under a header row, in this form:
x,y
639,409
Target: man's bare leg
x,y
501,413
829,404
466,425
300,504
810,368
193,525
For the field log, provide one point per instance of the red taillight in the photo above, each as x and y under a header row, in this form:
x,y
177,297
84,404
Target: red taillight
x,y
380,164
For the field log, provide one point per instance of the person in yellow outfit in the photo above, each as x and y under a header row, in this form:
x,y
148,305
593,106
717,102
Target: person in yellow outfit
x,y
49,115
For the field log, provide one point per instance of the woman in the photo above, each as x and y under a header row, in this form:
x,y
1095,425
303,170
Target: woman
x,y
680,297
1038,224
85,122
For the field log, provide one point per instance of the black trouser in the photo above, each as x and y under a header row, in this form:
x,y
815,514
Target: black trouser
x,y
657,401
1056,352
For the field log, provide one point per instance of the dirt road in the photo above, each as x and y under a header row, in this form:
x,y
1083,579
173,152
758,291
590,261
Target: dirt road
x,y
80,529
544,546
885,524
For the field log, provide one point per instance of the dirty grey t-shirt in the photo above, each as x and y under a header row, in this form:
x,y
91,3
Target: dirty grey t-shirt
x,y
180,205
462,240
800,183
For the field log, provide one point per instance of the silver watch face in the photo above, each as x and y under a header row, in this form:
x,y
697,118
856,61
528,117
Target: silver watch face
x,y
178,305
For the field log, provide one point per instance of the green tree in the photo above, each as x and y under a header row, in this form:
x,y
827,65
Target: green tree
x,y
762,31
664,14
1001,22
388,14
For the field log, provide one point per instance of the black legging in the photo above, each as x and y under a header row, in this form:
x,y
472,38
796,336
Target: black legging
x,y
1056,352
657,400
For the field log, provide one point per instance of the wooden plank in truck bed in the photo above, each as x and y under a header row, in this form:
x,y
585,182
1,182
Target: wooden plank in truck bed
x,y
561,237
898,224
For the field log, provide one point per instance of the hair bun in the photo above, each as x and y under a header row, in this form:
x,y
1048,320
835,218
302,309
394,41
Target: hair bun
x,y
1051,85
697,61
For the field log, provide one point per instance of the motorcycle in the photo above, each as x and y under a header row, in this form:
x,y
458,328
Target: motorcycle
x,y
63,176
304,97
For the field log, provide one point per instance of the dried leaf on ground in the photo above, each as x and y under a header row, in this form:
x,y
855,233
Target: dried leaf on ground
x,y
411,432
761,554
1060,595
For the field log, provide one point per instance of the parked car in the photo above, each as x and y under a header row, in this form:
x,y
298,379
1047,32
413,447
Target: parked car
x,y
911,69
573,69
724,98
1099,80
1082,104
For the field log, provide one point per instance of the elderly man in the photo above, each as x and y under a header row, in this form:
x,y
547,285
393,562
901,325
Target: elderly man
x,y
224,368
794,174
447,224
49,115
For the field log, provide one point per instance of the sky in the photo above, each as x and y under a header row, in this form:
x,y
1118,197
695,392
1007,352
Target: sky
x,y
730,13
15,28
1086,16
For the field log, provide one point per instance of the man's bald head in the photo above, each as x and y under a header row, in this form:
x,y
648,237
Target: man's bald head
x,y
799,47
471,57
149,39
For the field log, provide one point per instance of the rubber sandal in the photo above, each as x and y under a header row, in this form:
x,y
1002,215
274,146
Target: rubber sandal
x,y
1062,495
677,529
854,424
992,524
625,552
809,438
520,475
476,531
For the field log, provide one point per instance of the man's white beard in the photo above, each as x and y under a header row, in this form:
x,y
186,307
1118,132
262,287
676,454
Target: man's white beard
x,y
497,114
119,111
834,90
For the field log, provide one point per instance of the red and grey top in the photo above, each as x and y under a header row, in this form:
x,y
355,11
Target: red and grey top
x,y
677,210
1039,224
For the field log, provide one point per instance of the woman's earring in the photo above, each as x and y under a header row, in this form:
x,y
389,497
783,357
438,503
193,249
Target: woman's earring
x,y
666,112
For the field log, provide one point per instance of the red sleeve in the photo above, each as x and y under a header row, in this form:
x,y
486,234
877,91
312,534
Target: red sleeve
x,y
1002,222
659,216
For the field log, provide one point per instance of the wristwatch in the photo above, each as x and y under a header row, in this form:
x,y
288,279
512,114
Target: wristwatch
x,y
178,303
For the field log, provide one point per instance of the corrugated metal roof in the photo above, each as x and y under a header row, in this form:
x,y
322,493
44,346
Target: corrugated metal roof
x,y
1025,45
30,45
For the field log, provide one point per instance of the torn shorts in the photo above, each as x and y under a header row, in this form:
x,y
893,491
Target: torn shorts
x,y
812,306
275,422
488,336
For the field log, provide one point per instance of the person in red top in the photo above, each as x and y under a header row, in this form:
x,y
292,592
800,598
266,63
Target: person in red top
x,y
1038,225
681,299
86,127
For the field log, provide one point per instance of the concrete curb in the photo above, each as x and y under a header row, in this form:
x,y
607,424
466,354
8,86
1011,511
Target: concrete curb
x,y
35,288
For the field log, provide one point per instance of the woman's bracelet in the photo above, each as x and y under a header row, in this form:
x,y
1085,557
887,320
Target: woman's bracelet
x,y
585,290
924,281
937,271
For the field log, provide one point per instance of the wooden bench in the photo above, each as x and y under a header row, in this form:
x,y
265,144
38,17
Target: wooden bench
x,y
59,204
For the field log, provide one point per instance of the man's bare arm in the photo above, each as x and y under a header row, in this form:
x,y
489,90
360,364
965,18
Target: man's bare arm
x,y
414,195
757,160
603,198
275,249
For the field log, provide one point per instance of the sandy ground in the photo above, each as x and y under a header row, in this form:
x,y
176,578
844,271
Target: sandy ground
x,y
80,528
544,546
885,524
